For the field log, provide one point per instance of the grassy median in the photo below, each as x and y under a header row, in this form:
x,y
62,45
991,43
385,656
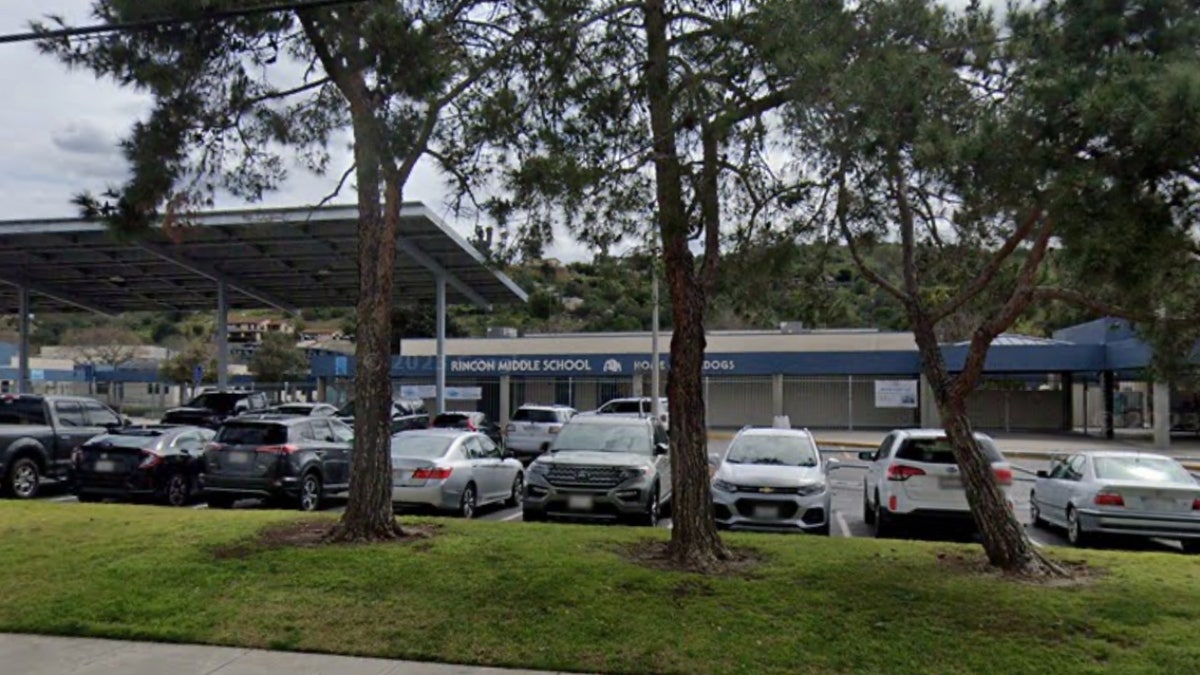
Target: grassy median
x,y
564,597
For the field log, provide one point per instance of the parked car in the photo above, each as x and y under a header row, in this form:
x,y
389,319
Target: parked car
x,y
453,470
471,421
639,407
305,409
913,477
1118,493
211,408
158,462
282,458
533,427
772,479
407,413
39,433
602,467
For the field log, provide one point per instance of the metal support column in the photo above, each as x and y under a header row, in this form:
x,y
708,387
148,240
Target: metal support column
x,y
1067,387
505,400
441,343
1162,415
23,383
1108,381
850,402
222,336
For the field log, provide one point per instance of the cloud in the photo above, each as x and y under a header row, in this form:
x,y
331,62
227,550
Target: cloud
x,y
85,138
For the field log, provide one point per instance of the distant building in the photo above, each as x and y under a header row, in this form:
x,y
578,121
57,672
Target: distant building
x,y
250,330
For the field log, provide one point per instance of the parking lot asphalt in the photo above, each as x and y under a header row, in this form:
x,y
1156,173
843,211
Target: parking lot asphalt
x,y
845,481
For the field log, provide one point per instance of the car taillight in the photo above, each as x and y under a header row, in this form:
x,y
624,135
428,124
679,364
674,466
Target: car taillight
x,y
432,473
149,459
1196,504
555,430
903,472
471,426
1109,499
1004,475
280,449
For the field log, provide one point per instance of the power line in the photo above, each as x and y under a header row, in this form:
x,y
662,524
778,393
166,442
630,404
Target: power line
x,y
215,15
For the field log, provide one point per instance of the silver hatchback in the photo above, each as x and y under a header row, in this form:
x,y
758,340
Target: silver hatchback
x,y
772,479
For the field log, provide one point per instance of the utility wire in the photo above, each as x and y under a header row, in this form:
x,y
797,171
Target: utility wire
x,y
215,15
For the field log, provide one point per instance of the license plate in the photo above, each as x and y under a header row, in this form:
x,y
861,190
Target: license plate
x,y
105,466
579,502
950,482
766,512
238,457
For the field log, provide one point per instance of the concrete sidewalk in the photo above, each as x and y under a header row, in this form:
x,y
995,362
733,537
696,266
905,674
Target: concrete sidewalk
x,y
43,655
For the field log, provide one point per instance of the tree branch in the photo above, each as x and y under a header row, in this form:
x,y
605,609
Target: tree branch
x,y
862,265
985,276
710,207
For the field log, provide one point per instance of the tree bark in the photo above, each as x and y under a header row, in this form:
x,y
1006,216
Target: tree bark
x,y
695,543
1004,539
369,515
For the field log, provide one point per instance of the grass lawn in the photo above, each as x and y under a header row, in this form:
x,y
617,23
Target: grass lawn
x,y
565,597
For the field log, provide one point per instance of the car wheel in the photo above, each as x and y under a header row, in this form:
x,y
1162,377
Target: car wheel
x,y
883,521
310,492
24,478
1191,546
650,517
518,492
868,512
1075,532
178,491
1035,514
467,504
219,501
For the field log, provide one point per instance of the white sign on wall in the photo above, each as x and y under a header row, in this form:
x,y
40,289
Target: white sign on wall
x,y
896,393
429,391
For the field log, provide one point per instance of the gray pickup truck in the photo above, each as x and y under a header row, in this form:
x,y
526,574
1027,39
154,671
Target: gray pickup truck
x,y
38,435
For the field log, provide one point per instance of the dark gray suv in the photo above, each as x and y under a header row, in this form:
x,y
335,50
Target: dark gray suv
x,y
602,467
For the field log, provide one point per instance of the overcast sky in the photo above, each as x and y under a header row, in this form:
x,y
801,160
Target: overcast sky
x,y
59,131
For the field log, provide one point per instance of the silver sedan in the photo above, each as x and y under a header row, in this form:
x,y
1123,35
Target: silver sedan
x,y
453,470
1119,493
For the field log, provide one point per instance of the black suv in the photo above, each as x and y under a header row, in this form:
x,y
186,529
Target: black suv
x,y
407,413
297,460
210,409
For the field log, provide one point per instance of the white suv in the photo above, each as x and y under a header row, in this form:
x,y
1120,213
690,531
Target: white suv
x,y
636,407
533,428
913,476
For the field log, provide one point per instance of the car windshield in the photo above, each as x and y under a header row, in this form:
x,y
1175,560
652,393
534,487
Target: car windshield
x,y
604,438
534,415
420,446
252,434
452,421
1141,469
781,450
938,450
622,407
222,403
295,409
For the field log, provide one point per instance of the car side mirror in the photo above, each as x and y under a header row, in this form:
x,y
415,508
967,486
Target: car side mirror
x,y
832,463
866,456
126,421
1043,474
507,454
714,458
661,448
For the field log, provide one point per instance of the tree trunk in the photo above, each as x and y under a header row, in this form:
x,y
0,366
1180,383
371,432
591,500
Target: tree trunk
x,y
695,543
1004,539
369,515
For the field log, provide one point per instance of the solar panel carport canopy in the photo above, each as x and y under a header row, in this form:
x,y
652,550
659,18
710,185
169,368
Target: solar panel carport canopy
x,y
282,258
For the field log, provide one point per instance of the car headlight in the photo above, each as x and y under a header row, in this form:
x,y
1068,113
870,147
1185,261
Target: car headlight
x,y
631,472
540,468
809,489
724,486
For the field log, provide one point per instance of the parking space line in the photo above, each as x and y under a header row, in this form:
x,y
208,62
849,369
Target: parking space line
x,y
62,498
201,505
512,517
841,521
